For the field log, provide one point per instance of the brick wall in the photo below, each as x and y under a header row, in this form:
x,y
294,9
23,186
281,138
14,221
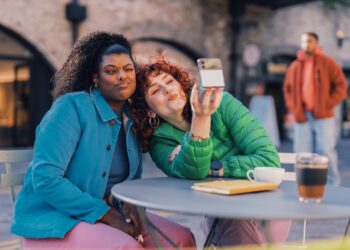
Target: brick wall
x,y
192,23
280,30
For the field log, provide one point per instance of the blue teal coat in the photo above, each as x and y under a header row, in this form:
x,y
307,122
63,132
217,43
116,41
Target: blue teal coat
x,y
67,178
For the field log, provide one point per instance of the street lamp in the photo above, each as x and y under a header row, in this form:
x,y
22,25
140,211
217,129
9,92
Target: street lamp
x,y
75,13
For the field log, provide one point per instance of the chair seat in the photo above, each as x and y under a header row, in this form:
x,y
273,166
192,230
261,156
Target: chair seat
x,y
290,176
13,179
12,158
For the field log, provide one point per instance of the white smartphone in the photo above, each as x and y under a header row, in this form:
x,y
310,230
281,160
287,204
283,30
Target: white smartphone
x,y
210,72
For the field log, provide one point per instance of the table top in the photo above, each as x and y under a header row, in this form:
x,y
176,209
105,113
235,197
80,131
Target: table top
x,y
176,195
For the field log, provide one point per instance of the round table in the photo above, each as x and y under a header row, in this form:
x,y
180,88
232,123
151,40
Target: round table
x,y
176,195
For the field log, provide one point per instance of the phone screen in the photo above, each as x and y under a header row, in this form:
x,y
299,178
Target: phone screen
x,y
210,72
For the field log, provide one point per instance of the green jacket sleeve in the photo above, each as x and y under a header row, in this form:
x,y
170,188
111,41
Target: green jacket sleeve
x,y
249,136
193,160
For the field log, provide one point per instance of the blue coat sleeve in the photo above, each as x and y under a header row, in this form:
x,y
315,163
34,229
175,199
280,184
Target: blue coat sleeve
x,y
138,174
56,141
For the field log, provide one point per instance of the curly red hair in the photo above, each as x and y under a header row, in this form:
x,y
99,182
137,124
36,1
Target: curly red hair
x,y
139,105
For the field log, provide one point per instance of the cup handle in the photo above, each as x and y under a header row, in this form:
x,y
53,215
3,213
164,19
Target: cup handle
x,y
248,175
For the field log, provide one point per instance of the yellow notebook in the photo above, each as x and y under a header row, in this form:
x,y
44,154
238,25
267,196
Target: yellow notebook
x,y
230,187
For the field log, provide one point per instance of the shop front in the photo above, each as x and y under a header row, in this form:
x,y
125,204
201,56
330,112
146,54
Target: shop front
x,y
270,82
24,89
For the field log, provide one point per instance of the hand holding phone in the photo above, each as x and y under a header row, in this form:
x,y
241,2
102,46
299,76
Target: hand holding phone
x,y
210,72
205,103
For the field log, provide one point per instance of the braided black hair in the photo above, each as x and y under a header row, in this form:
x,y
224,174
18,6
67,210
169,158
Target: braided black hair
x,y
76,73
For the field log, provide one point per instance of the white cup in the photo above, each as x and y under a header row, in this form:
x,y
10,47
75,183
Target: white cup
x,y
266,174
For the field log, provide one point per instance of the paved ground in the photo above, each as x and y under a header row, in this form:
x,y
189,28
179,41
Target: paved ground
x,y
315,229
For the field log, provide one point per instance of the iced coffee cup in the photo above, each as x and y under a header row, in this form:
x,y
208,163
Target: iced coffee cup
x,y
311,171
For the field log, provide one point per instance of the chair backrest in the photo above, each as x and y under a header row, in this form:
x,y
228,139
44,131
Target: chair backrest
x,y
288,158
11,158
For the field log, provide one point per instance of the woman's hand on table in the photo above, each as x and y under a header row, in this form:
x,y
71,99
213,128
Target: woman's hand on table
x,y
116,220
130,213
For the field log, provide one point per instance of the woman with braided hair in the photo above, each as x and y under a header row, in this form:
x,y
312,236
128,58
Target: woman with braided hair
x,y
84,145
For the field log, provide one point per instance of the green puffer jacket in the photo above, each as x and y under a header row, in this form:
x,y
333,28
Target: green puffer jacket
x,y
237,138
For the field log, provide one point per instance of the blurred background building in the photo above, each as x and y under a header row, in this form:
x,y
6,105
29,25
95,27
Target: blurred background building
x,y
256,40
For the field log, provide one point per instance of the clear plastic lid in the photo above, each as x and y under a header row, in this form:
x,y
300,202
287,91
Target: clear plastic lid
x,y
311,158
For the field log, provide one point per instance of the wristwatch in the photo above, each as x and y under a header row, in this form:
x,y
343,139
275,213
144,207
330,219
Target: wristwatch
x,y
215,167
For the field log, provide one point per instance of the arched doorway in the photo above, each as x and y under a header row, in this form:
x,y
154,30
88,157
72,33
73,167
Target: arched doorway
x,y
146,47
24,89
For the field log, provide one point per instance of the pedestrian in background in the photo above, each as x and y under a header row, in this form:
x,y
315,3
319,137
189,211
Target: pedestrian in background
x,y
314,85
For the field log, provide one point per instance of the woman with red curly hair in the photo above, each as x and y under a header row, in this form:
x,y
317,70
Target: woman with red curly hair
x,y
194,134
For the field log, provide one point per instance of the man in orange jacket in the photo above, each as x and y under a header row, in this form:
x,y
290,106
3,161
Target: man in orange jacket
x,y
314,85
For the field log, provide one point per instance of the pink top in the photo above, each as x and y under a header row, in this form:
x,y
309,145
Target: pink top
x,y
308,75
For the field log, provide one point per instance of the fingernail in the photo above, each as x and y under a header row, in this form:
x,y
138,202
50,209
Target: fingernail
x,y
139,238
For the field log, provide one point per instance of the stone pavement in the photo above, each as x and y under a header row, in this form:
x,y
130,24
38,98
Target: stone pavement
x,y
315,229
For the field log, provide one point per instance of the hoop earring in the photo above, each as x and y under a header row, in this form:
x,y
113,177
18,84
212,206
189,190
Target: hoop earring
x,y
153,122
